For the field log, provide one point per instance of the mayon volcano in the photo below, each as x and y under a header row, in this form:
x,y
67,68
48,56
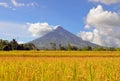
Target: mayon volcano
x,y
60,36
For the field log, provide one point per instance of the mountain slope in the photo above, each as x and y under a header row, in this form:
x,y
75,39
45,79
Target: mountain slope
x,y
60,36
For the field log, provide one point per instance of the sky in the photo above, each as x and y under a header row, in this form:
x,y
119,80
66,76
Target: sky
x,y
97,21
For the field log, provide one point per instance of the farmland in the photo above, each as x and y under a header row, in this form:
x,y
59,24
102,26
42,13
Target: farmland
x,y
60,66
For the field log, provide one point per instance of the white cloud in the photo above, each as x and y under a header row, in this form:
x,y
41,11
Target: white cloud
x,y
16,4
105,27
108,2
3,4
40,29
10,30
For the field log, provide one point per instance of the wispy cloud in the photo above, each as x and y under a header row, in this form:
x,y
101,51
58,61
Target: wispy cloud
x,y
107,2
18,4
3,4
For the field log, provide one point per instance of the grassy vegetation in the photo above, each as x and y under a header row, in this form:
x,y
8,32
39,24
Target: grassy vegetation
x,y
59,66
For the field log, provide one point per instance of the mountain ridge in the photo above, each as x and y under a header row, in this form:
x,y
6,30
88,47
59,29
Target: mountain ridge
x,y
60,36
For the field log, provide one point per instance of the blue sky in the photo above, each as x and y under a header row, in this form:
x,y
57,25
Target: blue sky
x,y
26,20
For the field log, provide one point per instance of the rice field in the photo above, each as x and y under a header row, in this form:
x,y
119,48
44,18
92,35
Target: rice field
x,y
60,66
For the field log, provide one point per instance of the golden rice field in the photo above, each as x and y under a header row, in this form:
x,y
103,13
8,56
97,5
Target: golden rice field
x,y
60,66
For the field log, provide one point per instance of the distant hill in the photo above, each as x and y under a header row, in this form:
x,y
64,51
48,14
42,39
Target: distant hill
x,y
60,36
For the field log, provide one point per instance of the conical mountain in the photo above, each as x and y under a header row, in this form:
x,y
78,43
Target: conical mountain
x,y
60,36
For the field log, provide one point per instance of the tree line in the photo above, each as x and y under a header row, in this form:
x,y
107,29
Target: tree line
x,y
70,47
13,45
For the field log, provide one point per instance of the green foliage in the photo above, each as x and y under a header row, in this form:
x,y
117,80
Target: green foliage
x,y
87,48
105,49
13,45
53,45
62,47
69,47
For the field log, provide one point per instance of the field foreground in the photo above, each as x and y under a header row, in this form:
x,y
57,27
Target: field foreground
x,y
59,66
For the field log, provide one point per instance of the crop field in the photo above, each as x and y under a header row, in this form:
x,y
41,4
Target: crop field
x,y
60,66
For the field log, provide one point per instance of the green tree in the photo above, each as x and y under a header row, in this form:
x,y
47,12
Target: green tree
x,y
87,48
69,47
61,47
7,48
14,44
3,43
53,45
